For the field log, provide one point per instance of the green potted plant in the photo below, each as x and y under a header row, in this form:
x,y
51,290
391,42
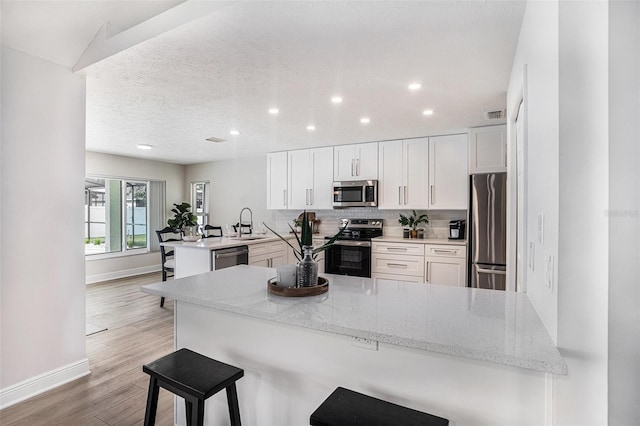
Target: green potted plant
x,y
413,221
184,220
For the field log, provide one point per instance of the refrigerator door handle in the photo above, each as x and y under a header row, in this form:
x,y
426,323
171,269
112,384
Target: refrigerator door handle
x,y
491,271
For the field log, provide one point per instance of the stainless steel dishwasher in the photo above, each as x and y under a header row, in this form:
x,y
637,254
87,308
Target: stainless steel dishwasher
x,y
232,256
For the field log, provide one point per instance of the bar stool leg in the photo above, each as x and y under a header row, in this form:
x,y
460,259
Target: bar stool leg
x,y
188,409
152,403
234,408
198,413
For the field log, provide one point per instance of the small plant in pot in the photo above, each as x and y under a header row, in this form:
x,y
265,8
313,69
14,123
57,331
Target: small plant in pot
x,y
185,221
412,222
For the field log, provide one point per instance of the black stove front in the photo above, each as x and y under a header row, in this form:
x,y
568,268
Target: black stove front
x,y
351,253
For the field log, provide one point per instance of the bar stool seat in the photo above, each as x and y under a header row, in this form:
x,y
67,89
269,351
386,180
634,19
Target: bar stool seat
x,y
345,407
195,378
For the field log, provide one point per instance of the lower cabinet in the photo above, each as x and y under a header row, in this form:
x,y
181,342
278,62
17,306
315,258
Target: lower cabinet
x,y
269,254
420,262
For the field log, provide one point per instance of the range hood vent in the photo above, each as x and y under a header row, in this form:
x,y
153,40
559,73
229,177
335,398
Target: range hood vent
x,y
216,140
494,115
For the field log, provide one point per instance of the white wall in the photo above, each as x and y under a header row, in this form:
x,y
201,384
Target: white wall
x,y
624,213
538,50
42,255
234,184
583,264
119,166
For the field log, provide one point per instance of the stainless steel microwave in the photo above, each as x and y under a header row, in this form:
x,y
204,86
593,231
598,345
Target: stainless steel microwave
x,y
358,193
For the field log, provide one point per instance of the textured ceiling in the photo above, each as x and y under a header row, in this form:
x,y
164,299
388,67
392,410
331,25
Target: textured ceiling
x,y
225,70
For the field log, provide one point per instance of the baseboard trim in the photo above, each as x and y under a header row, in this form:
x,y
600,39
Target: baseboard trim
x,y
125,273
42,383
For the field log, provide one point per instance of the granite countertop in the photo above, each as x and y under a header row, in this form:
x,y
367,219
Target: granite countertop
x,y
493,326
398,239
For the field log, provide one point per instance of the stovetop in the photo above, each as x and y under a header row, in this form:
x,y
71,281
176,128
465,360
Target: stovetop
x,y
361,229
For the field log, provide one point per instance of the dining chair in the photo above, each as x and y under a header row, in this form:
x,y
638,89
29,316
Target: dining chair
x,y
212,231
168,262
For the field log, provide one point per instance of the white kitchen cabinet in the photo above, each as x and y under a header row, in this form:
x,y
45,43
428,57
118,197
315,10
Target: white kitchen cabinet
x,y
310,178
403,168
446,265
397,260
355,162
269,254
277,181
448,177
488,149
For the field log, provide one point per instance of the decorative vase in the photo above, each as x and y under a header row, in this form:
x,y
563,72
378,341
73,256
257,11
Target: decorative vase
x,y
413,233
405,233
307,274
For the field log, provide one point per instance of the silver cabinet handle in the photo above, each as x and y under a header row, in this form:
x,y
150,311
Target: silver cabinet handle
x,y
427,278
444,251
405,194
399,195
396,265
352,166
311,197
357,167
397,248
431,195
284,196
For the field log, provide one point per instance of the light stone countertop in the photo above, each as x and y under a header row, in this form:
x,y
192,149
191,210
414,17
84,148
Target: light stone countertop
x,y
215,243
396,239
493,326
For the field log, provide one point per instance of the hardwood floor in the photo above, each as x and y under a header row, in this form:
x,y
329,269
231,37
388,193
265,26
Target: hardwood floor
x,y
115,392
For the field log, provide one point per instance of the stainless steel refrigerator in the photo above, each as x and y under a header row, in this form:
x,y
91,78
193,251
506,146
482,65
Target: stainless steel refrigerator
x,y
488,231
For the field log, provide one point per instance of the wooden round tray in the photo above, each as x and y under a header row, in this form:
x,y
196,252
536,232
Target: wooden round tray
x,y
322,287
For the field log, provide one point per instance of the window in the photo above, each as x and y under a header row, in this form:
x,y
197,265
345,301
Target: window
x,y
200,201
120,214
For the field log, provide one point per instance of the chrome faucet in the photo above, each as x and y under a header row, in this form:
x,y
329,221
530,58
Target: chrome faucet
x,y
240,222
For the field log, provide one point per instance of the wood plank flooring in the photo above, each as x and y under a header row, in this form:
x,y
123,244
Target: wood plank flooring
x,y
115,392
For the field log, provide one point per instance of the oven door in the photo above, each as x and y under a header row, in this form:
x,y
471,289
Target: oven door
x,y
349,258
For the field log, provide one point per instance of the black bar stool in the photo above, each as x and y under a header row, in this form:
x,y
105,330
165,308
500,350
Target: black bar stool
x,y
345,407
195,378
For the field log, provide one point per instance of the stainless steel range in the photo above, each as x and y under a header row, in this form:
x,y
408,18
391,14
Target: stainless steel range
x,y
351,253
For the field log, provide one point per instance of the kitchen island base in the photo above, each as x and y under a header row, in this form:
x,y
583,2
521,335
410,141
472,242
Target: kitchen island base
x,y
290,370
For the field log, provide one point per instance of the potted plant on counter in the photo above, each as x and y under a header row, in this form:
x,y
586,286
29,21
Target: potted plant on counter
x,y
184,220
412,222
307,272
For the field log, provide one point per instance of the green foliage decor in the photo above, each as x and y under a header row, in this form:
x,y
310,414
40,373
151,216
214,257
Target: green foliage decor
x,y
414,220
182,216
306,238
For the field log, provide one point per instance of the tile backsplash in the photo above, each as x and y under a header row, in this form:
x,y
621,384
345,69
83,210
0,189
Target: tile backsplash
x,y
438,226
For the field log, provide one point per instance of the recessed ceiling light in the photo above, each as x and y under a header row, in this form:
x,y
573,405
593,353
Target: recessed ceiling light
x,y
336,99
145,146
415,86
427,112
365,120
274,111
234,132
311,127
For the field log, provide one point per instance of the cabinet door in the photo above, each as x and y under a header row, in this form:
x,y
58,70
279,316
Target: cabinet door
x,y
277,181
366,164
390,175
415,190
488,149
321,190
448,175
299,179
446,271
279,259
344,158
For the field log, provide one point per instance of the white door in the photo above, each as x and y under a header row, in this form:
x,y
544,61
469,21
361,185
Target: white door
x,y
390,171
321,193
277,180
488,149
299,180
344,167
415,186
366,164
446,271
448,177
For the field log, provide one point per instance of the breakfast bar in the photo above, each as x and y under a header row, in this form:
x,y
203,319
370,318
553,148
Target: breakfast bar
x,y
470,355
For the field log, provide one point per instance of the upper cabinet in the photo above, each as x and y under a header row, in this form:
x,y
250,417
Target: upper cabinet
x,y
277,197
310,178
448,178
355,162
488,149
403,168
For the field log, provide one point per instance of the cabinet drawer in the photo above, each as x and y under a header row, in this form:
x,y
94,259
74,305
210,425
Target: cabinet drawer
x,y
398,248
397,264
408,278
267,250
445,250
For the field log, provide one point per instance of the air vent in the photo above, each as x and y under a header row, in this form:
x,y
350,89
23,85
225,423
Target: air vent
x,y
216,140
494,115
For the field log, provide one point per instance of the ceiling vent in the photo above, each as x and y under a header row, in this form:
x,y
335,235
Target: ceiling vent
x,y
494,115
216,140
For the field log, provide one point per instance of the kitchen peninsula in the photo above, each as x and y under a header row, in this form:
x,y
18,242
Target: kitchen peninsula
x,y
470,355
